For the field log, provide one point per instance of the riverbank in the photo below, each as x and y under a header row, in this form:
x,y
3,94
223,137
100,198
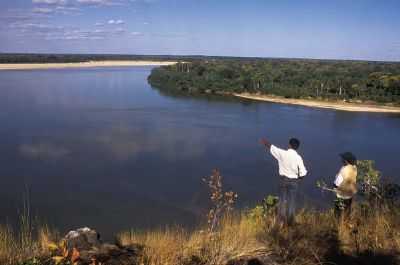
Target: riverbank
x,y
337,105
230,237
32,66
250,237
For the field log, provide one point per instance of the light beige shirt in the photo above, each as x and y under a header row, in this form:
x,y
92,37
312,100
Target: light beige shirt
x,y
345,182
290,162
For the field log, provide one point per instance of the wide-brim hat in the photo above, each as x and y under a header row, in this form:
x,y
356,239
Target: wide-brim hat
x,y
349,157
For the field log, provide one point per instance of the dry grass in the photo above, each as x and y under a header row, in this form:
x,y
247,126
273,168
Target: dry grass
x,y
316,238
369,237
237,237
28,243
7,245
377,232
306,242
162,247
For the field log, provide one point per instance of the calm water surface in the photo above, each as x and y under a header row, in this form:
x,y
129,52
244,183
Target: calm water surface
x,y
101,148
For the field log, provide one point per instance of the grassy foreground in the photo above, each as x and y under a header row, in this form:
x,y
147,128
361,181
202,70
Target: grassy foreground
x,y
370,236
316,238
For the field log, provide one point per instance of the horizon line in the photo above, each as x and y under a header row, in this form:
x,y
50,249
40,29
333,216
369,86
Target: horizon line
x,y
199,55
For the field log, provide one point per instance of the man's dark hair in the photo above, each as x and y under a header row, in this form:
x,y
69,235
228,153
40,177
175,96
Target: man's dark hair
x,y
294,143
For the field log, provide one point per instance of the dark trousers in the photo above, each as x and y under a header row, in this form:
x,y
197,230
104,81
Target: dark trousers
x,y
343,208
287,199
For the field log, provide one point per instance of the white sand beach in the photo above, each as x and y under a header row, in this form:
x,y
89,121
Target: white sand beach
x,y
337,105
31,66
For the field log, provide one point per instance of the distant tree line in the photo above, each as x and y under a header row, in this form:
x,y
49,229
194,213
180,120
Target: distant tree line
x,y
76,58
290,78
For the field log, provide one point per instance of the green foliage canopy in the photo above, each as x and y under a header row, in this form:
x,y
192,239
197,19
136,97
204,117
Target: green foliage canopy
x,y
290,78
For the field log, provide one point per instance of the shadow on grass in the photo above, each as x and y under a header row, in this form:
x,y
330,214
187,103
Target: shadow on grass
x,y
364,258
335,256
302,246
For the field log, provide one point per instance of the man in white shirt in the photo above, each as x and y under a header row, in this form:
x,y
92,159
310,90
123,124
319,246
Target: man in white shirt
x,y
291,170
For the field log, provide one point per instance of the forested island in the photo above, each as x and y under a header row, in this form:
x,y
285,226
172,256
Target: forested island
x,y
351,81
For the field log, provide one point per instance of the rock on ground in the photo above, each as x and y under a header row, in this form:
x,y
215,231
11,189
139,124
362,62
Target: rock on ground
x,y
89,249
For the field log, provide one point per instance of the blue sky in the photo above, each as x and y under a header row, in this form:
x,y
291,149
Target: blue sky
x,y
356,29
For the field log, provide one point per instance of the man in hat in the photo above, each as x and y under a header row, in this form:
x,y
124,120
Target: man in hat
x,y
291,171
345,185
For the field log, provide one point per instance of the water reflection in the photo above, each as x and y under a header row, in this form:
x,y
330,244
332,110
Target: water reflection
x,y
99,147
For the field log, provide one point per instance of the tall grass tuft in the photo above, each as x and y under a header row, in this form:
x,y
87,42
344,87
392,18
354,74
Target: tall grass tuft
x,y
29,241
236,237
8,245
16,247
162,247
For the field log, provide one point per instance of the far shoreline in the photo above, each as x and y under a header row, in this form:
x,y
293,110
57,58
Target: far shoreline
x,y
336,105
89,64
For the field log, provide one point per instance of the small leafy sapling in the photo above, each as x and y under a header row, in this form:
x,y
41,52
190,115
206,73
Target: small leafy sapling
x,y
222,201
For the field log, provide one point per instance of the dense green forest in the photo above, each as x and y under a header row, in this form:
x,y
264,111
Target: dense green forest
x,y
291,78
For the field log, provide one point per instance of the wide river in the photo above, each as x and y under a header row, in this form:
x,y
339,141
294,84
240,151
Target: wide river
x,y
102,148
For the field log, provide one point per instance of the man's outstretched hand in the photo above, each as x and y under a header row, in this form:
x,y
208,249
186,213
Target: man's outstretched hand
x,y
265,142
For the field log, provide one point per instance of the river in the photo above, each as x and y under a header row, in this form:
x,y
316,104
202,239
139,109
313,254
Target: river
x,y
101,148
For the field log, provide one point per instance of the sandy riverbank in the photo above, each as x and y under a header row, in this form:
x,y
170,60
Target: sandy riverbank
x,y
322,104
31,66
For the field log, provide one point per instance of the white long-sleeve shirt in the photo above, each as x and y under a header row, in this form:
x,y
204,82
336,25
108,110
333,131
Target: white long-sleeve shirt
x,y
290,162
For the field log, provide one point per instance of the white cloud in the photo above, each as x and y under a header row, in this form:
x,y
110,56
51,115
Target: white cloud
x,y
42,10
12,16
50,2
144,1
137,33
67,9
116,22
50,32
92,1
43,150
47,7
58,9
123,143
97,34
99,24
101,2
82,2
38,27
